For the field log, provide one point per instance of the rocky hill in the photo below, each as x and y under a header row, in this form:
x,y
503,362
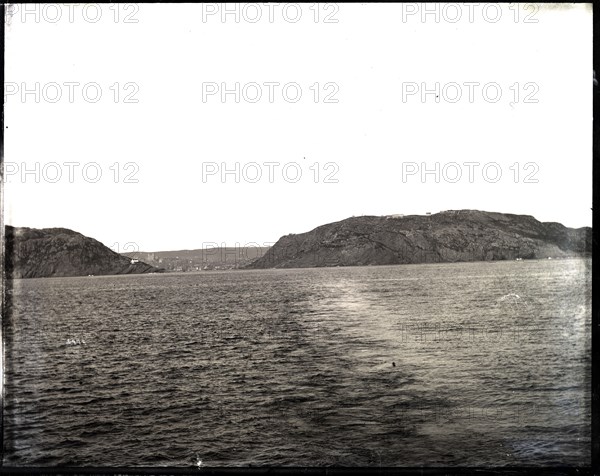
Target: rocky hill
x,y
38,253
453,235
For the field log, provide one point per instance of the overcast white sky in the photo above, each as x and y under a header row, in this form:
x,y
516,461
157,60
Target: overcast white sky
x,y
370,135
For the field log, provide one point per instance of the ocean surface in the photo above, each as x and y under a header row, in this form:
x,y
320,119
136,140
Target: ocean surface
x,y
411,365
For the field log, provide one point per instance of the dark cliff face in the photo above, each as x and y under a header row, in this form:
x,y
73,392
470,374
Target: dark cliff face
x,y
455,235
33,253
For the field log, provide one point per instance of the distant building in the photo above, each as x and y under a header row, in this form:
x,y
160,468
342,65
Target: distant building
x,y
133,261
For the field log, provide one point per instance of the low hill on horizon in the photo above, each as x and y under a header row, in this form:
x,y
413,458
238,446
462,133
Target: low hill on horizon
x,y
201,259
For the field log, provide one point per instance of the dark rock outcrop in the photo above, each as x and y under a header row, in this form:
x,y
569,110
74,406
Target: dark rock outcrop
x,y
453,235
39,253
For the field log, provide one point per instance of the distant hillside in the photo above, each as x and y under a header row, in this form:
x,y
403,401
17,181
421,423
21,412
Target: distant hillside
x,y
201,259
38,253
454,235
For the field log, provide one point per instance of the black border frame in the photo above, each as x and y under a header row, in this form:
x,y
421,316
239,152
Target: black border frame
x,y
593,469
